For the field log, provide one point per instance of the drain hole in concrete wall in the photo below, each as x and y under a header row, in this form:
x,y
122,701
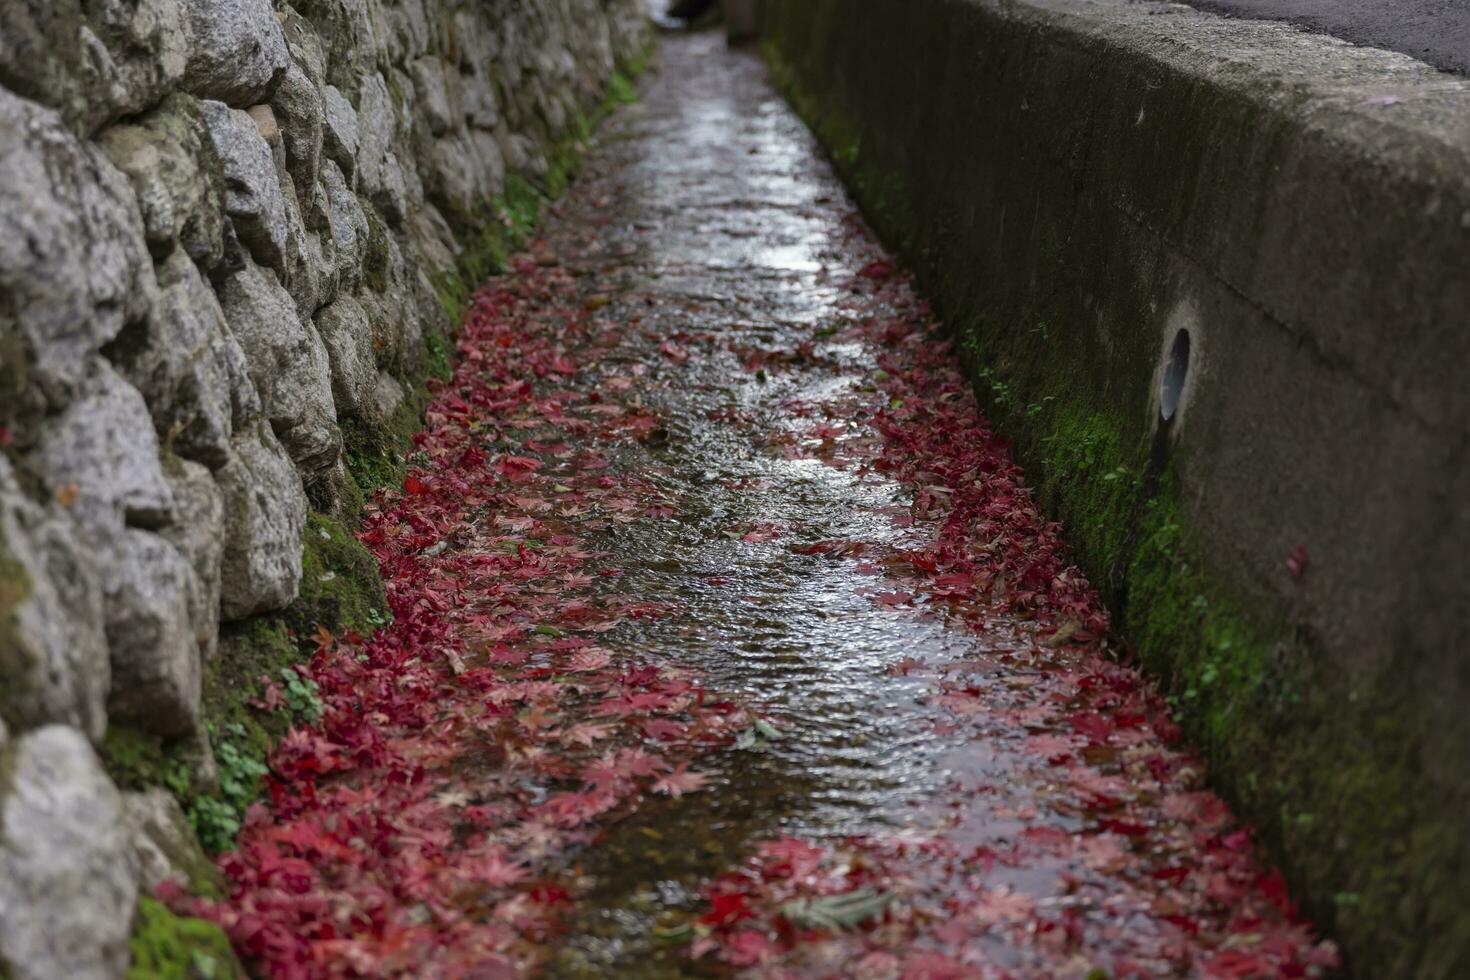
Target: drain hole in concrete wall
x,y
1174,375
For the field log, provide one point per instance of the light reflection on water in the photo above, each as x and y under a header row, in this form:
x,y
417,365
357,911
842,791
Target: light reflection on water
x,y
727,220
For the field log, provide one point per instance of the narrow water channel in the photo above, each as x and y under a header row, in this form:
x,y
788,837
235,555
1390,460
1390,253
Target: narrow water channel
x,y
728,637
715,213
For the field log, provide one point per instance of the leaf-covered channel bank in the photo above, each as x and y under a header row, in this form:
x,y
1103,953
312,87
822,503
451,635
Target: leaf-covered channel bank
x,y
727,636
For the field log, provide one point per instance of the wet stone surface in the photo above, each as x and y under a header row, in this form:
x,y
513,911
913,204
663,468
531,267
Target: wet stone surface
x,y
727,637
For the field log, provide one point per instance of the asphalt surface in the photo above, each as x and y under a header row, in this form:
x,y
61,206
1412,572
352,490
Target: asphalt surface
x,y
1434,31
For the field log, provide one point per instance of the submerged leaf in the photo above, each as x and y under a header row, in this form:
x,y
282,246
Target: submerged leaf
x,y
836,912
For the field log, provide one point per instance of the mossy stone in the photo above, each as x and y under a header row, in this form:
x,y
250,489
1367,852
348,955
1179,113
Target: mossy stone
x,y
165,946
341,588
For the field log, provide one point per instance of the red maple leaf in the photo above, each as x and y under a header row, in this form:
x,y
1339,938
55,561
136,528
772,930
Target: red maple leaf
x,y
681,781
726,910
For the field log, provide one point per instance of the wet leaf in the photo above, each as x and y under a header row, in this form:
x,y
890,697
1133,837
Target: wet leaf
x,y
680,781
836,912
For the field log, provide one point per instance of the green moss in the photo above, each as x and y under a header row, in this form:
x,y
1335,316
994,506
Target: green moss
x,y
165,946
374,452
438,356
341,588
14,372
620,90
1326,772
501,226
395,89
1092,479
1328,776
136,760
248,649
562,164
241,736
1218,664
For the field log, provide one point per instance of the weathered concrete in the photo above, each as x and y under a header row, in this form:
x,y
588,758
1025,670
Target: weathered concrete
x,y
1435,31
1078,181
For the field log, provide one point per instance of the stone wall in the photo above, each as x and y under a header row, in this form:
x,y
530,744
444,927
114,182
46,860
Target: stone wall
x,y
226,228
1278,509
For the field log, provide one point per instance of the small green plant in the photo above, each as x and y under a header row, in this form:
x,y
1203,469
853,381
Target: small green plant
x,y
215,823
1035,409
216,819
165,946
1085,451
1209,674
1000,392
302,696
437,355
620,89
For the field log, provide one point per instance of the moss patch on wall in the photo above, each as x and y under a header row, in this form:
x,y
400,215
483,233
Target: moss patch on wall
x,y
502,225
21,407
165,946
340,585
1327,776
373,451
341,591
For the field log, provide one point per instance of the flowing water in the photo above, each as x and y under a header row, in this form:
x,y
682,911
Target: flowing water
x,y
715,213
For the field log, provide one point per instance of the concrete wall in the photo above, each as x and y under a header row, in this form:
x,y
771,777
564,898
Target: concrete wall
x,y
226,227
1077,181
